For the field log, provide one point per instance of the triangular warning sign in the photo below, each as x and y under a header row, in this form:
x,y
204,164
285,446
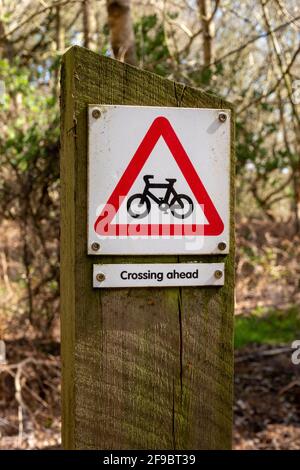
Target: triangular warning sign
x,y
160,127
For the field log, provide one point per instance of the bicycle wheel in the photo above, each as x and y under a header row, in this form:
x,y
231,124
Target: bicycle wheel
x,y
138,206
182,206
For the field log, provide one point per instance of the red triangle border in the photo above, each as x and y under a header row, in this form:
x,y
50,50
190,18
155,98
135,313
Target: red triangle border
x,y
160,127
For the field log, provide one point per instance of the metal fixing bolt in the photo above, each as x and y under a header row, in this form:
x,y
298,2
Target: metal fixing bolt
x,y
100,277
218,274
96,113
222,246
95,246
222,117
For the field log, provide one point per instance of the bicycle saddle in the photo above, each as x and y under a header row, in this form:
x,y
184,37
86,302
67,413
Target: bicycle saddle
x,y
171,180
147,177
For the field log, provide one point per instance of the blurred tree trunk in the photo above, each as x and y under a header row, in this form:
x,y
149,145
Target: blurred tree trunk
x,y
87,23
60,30
60,44
6,47
98,27
121,30
296,183
208,28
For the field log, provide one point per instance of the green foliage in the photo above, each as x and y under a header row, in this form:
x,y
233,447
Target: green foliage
x,y
205,77
267,327
251,147
29,176
33,128
151,47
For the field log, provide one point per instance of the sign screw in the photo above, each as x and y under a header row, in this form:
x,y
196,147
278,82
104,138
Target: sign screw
x,y
95,246
222,117
96,113
222,246
218,274
100,277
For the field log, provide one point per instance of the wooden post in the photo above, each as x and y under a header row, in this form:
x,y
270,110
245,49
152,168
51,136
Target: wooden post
x,y
142,368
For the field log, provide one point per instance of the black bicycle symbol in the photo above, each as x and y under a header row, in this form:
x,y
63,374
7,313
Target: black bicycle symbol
x,y
180,205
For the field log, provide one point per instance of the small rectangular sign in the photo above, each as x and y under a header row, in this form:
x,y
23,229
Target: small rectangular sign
x,y
158,180
158,275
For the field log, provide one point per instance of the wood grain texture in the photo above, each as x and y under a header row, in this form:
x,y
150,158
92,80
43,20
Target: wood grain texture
x,y
142,368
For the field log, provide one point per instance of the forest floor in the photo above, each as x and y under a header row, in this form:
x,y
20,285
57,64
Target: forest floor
x,y
267,399
267,384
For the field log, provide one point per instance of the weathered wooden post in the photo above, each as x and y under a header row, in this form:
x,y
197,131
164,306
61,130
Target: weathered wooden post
x,y
147,367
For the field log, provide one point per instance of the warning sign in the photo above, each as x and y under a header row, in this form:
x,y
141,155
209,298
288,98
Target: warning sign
x,y
158,180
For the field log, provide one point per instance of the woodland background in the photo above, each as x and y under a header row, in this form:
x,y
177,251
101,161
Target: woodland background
x,y
246,51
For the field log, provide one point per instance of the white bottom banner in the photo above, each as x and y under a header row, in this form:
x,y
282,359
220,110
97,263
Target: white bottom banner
x,y
158,275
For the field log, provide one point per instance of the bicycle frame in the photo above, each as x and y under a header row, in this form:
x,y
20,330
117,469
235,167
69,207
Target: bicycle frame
x,y
170,191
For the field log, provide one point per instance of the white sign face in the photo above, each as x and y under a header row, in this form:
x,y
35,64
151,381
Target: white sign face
x,y
158,180
158,275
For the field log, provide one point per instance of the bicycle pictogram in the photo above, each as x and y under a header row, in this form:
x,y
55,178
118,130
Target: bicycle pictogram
x,y
180,205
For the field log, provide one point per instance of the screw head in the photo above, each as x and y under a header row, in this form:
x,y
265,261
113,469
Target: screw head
x,y
100,277
222,246
95,246
222,117
96,113
218,274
